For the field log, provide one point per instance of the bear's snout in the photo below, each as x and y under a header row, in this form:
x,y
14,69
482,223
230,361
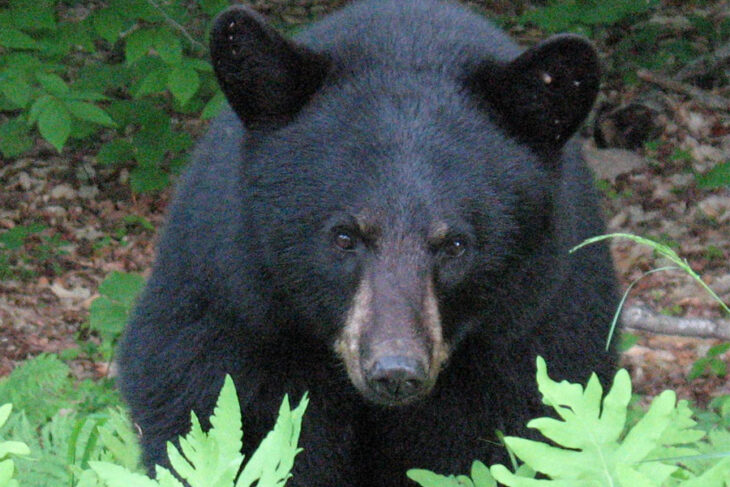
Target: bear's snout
x,y
392,343
397,378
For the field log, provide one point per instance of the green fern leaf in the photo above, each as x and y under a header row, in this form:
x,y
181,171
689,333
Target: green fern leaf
x,y
596,452
118,476
213,459
272,462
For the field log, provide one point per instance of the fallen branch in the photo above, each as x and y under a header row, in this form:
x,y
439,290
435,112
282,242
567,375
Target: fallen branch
x,y
642,318
708,100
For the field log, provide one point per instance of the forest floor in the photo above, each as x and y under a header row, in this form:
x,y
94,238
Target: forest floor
x,y
89,223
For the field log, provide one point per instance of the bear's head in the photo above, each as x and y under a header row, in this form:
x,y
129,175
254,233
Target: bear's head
x,y
394,202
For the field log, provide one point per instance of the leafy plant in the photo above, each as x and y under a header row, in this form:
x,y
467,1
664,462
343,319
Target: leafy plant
x,y
626,341
662,250
711,363
109,312
566,15
15,237
10,242
43,250
480,477
37,386
61,421
7,467
51,80
214,458
61,449
43,385
592,443
49,250
153,142
716,416
716,177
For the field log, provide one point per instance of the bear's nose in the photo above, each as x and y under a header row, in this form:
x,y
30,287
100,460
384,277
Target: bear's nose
x,y
397,378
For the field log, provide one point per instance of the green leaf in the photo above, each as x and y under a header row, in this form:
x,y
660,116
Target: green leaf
x,y
118,476
54,123
94,79
139,43
81,129
426,478
168,47
107,317
110,312
212,7
37,107
716,476
114,152
154,82
16,90
272,461
25,64
5,411
7,468
564,15
15,137
717,350
198,64
643,437
15,39
626,341
108,24
593,447
178,141
151,143
481,476
75,36
183,83
37,387
90,113
86,96
214,106
119,438
52,83
122,287
140,113
148,179
137,9
716,177
15,237
13,448
34,14
213,458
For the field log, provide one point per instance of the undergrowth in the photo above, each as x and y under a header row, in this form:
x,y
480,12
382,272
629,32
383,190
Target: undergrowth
x,y
116,77
593,444
593,440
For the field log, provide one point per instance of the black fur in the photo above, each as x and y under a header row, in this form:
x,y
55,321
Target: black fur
x,y
413,111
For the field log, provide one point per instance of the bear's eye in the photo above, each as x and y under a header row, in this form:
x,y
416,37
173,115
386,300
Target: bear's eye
x,y
454,247
344,240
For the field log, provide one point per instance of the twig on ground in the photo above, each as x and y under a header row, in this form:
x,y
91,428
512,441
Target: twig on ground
x,y
642,318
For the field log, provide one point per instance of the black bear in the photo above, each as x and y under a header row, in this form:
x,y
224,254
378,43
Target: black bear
x,y
383,219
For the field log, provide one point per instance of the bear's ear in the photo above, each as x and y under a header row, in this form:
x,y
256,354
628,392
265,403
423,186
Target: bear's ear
x,y
543,96
266,78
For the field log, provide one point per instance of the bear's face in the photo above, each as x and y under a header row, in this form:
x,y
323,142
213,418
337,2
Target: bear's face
x,y
376,232
393,203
